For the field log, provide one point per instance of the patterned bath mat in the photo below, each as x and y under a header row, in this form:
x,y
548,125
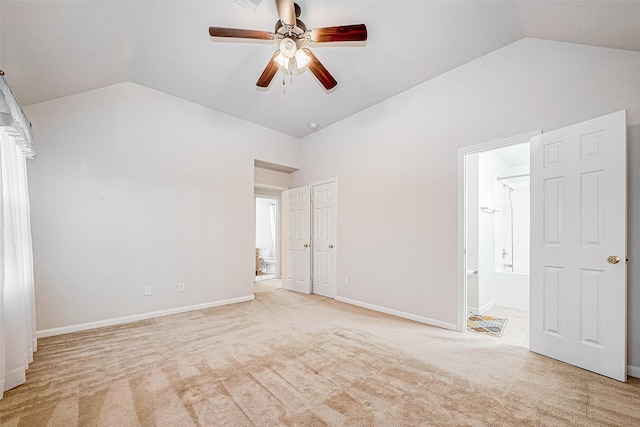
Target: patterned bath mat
x,y
486,324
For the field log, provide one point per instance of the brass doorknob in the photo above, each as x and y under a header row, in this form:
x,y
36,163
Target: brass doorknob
x,y
330,246
306,245
613,259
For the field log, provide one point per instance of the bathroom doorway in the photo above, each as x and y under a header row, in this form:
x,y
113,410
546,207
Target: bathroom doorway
x,y
497,210
267,256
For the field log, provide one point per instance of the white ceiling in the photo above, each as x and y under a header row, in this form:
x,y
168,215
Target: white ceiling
x,y
51,49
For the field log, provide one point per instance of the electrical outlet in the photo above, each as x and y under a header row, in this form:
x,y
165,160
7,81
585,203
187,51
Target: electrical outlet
x,y
180,287
346,280
147,290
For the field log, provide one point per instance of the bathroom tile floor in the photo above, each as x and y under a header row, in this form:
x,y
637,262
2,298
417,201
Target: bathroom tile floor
x,y
516,331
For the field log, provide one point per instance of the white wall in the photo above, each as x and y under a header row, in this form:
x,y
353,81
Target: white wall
x,y
397,162
134,187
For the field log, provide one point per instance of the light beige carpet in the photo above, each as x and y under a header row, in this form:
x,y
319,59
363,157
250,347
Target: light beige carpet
x,y
296,360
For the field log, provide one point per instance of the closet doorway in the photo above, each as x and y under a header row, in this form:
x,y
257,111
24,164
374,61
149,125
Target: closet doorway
x,y
309,238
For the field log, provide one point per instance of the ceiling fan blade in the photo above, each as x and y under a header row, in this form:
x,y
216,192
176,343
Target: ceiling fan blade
x,y
344,33
240,34
270,70
319,71
286,12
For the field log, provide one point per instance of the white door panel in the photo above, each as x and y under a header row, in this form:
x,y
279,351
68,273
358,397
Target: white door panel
x,y
296,239
578,219
324,238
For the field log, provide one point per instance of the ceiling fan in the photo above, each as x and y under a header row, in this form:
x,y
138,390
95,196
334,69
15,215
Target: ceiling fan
x,y
292,37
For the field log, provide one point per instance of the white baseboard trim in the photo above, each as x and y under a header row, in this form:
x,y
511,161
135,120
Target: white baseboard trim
x,y
136,317
481,310
633,371
405,315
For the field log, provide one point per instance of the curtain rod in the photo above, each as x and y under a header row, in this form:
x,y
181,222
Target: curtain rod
x,y
500,178
1,72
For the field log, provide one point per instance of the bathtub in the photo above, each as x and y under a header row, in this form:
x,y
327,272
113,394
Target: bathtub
x,y
512,290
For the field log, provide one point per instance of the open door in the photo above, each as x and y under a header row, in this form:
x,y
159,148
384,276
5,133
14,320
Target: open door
x,y
578,245
296,240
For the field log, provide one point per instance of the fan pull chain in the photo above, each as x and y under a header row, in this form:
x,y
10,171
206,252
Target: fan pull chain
x,y
284,87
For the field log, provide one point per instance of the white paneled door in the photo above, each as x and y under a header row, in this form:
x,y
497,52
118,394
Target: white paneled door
x,y
323,199
296,240
578,245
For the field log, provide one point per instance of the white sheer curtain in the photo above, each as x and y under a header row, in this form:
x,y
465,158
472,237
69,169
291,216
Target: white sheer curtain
x,y
273,226
17,297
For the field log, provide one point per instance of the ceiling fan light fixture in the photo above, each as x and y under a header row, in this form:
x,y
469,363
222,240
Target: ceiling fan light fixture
x,y
302,59
288,48
283,61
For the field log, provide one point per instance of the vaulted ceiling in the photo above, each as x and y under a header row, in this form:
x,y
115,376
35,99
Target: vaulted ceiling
x,y
50,49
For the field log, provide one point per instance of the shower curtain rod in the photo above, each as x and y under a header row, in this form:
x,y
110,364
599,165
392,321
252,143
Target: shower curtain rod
x,y
500,178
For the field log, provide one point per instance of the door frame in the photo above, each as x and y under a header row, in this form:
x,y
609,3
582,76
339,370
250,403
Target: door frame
x,y
274,189
462,216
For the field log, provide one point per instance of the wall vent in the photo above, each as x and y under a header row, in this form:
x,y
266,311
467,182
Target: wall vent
x,y
252,5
